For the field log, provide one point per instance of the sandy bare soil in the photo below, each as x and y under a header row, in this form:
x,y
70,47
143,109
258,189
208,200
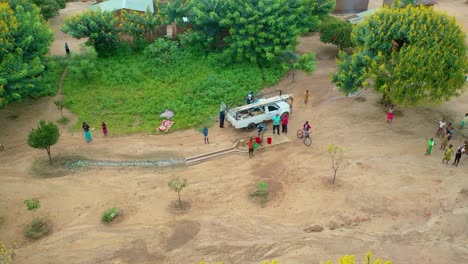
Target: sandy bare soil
x,y
389,198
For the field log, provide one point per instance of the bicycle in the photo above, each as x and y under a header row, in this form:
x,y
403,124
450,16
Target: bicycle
x,y
306,137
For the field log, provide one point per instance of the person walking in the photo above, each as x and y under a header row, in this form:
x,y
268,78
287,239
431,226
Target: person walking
x,y
448,154
306,96
284,123
458,155
87,133
250,143
221,118
450,131
430,144
205,135
440,130
276,123
104,128
390,115
261,130
445,141
67,49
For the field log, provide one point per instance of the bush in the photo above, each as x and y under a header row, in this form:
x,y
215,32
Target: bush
x,y
261,194
109,215
63,120
336,31
36,229
6,253
83,68
162,50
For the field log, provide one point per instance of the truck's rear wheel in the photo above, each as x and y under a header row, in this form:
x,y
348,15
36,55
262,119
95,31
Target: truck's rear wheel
x,y
251,127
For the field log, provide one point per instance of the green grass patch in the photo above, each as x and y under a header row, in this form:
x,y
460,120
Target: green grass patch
x,y
130,91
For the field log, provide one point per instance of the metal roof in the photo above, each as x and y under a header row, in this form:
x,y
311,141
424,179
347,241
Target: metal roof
x,y
113,5
356,18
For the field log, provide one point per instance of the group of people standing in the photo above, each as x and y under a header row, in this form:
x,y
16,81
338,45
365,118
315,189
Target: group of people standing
x,y
446,131
87,131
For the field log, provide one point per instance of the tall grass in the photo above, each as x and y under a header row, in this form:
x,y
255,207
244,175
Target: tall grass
x,y
129,91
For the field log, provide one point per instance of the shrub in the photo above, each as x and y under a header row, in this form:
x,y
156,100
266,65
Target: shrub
x,y
63,120
261,194
178,185
44,137
6,254
83,68
161,51
336,31
35,229
110,214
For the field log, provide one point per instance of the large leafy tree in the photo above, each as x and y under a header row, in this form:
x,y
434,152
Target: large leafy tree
x,y
100,27
50,8
259,30
146,25
24,42
413,55
336,31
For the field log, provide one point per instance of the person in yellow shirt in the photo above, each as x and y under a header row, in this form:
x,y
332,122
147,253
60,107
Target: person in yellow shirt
x,y
448,154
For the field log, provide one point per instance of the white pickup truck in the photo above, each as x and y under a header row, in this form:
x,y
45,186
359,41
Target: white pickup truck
x,y
264,109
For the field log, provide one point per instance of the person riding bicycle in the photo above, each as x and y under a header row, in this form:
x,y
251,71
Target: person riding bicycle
x,y
306,127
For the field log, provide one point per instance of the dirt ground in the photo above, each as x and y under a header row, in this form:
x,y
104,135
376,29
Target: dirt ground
x,y
389,197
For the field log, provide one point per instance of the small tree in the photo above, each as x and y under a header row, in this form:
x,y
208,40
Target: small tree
x,y
146,25
60,105
178,185
336,154
336,31
290,60
32,205
44,137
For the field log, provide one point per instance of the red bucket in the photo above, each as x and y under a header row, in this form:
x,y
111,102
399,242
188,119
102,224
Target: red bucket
x,y
258,140
269,140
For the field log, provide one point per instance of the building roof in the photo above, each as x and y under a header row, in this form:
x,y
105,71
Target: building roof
x,y
356,18
113,5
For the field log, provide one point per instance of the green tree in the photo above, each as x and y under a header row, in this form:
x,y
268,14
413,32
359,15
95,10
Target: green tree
x,y
32,205
290,60
60,104
336,31
259,30
44,137
413,55
147,26
177,185
50,8
161,51
24,41
100,27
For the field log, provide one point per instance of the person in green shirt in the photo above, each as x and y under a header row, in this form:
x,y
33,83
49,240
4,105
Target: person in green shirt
x,y
276,123
430,144
448,154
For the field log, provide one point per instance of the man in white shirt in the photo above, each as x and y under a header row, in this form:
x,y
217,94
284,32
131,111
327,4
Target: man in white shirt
x,y
442,125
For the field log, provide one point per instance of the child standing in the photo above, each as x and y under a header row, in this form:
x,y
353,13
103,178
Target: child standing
x,y
205,135
448,154
104,128
251,147
430,144
390,115
440,130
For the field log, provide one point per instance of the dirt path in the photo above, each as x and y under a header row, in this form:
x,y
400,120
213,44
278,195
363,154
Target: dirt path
x,y
389,198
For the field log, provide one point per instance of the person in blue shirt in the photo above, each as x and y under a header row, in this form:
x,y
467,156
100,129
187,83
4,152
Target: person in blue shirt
x,y
205,135
260,129
276,123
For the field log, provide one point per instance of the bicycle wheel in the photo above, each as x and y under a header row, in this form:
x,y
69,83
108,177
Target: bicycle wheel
x,y
307,141
300,134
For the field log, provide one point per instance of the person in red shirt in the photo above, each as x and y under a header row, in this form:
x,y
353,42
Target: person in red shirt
x,y
284,123
251,147
306,127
